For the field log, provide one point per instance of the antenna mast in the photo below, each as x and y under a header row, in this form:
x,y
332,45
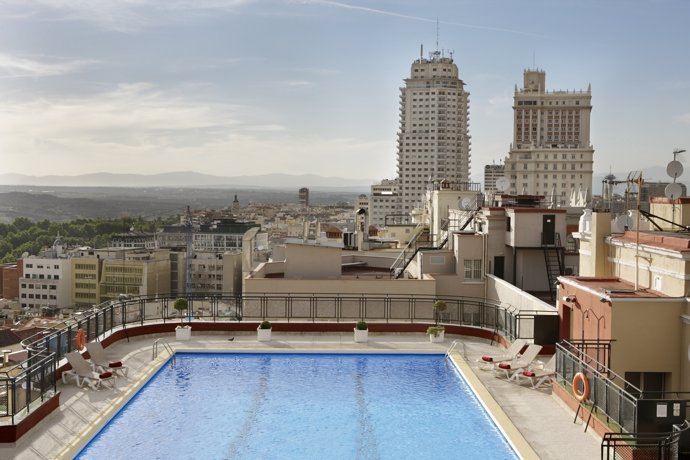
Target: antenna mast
x,y
437,32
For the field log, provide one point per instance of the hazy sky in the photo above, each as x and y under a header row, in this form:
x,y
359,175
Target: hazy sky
x,y
235,87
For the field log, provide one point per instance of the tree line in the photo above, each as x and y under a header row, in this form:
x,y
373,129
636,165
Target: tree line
x,y
24,235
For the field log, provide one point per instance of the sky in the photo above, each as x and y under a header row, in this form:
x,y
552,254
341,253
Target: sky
x,y
248,87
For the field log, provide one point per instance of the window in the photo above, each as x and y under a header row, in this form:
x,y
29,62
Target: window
x,y
473,269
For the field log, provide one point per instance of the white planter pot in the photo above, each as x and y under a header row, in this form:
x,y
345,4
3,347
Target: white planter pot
x,y
437,338
361,335
183,332
263,335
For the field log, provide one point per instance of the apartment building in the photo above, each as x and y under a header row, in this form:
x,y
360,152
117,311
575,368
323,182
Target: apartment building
x,y
136,272
551,153
433,140
491,174
46,280
384,203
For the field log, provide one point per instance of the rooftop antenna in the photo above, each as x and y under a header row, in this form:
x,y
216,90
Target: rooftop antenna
x,y
421,52
437,31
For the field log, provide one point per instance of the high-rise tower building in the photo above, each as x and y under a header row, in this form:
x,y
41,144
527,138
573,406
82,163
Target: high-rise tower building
x,y
434,140
551,154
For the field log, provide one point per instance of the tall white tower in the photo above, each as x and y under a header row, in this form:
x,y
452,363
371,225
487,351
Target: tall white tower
x,y
434,140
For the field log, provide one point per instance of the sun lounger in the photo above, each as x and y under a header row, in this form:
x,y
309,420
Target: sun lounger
x,y
101,362
487,361
521,363
83,374
538,376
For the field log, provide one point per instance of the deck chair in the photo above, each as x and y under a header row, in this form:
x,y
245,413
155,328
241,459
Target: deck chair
x,y
100,360
537,376
521,363
486,362
83,374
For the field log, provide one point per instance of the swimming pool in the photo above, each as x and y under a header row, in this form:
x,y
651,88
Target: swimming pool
x,y
302,406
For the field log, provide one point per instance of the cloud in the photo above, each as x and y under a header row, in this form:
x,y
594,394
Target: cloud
x,y
366,9
141,127
125,16
12,66
684,118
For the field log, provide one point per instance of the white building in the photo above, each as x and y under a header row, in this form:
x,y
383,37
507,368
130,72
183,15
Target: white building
x,y
47,280
551,154
384,201
434,140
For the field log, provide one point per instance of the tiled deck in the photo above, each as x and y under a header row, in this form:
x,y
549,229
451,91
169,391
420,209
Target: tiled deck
x,y
541,419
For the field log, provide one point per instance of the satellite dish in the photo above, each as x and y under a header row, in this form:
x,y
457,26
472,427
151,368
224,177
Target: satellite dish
x,y
502,184
673,190
674,169
466,202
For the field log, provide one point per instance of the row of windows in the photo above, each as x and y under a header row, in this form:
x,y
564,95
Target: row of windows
x,y
39,286
550,102
85,266
38,296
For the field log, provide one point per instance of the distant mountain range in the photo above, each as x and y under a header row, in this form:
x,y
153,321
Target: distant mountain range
x,y
190,179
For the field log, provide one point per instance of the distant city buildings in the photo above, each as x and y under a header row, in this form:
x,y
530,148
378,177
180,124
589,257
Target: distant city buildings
x,y
304,197
551,154
491,173
384,201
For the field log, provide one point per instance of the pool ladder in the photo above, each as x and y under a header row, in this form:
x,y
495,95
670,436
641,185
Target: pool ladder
x,y
454,345
167,347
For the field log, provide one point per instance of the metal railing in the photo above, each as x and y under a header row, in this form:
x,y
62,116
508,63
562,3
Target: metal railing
x,y
464,311
642,446
607,393
25,385
166,346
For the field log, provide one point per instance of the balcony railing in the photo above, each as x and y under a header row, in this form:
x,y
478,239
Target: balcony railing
x,y
462,311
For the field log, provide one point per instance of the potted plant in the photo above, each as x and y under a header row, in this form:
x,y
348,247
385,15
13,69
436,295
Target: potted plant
x,y
436,332
361,331
263,332
182,332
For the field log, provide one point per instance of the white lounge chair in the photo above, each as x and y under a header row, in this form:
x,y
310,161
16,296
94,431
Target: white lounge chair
x,y
537,375
83,374
101,362
517,364
487,361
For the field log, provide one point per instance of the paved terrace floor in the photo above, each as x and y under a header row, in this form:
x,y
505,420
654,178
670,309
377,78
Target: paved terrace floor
x,y
544,422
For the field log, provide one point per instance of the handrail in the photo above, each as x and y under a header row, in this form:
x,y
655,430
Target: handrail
x,y
452,347
167,347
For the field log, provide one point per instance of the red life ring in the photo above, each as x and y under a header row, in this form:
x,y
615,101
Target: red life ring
x,y
580,377
80,339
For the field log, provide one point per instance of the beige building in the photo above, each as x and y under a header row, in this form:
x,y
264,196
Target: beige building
x,y
215,272
136,272
433,140
86,270
633,294
551,153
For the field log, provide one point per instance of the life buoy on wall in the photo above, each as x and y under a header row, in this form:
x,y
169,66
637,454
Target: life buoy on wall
x,y
80,339
577,378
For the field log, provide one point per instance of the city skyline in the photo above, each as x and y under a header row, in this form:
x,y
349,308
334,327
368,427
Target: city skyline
x,y
311,87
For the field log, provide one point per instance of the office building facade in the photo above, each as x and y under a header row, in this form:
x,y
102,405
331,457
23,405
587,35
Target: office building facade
x,y
551,153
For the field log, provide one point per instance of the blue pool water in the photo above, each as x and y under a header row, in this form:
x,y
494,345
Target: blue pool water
x,y
302,406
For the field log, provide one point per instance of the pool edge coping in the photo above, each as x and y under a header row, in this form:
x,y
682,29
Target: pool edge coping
x,y
511,433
